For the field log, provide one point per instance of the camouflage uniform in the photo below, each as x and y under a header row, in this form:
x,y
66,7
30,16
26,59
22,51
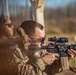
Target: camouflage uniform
x,y
14,61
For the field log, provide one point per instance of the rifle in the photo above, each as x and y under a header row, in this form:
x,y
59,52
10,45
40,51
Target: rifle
x,y
59,45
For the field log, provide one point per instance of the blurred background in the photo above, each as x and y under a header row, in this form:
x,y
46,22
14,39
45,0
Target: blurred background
x,y
59,16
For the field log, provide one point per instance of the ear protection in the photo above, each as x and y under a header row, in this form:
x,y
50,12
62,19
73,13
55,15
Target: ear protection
x,y
23,34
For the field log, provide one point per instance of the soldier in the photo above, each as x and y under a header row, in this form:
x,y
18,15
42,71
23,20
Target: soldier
x,y
38,59
6,31
11,57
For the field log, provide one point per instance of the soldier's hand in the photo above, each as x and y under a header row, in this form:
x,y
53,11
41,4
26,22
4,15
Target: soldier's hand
x,y
50,58
72,53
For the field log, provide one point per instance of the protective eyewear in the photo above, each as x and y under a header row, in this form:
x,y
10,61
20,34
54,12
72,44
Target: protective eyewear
x,y
9,24
41,39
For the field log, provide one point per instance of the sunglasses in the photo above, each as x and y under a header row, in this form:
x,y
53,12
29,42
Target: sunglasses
x,y
9,24
41,39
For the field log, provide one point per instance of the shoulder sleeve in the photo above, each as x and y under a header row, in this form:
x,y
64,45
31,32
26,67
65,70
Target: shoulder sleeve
x,y
18,59
40,62
17,54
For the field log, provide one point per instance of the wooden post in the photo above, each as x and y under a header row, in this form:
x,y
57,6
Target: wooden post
x,y
27,10
37,10
5,8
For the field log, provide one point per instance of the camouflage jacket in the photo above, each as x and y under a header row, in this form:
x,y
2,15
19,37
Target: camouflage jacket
x,y
14,61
